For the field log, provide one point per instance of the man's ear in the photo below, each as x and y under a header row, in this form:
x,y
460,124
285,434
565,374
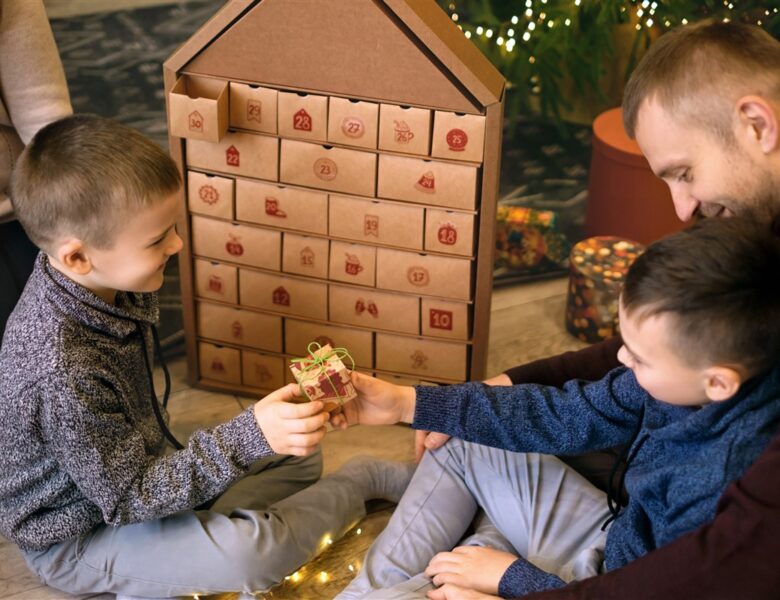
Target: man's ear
x,y
721,383
758,119
72,255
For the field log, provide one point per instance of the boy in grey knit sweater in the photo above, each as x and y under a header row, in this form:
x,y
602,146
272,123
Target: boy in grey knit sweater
x,y
87,489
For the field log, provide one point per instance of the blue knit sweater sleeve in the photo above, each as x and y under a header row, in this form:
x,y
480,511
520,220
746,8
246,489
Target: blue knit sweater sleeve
x,y
523,578
578,417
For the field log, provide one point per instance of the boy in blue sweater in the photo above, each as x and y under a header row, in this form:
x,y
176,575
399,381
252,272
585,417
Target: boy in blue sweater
x,y
696,402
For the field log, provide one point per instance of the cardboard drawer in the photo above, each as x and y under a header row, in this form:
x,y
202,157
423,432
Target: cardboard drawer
x,y
242,327
404,129
299,334
374,221
423,274
242,244
426,359
449,231
378,310
219,363
216,281
283,294
458,136
303,116
253,107
281,206
445,319
198,108
335,169
262,370
249,154
427,182
353,263
210,195
305,255
353,123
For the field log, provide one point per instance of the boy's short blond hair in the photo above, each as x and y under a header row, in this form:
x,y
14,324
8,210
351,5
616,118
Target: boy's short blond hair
x,y
83,176
698,72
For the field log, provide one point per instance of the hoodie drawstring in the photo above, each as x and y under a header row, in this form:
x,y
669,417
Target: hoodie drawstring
x,y
153,398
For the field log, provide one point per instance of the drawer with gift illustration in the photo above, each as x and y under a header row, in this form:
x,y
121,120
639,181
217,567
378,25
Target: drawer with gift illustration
x,y
449,231
281,206
378,310
253,107
304,255
303,116
216,281
326,167
299,334
262,370
237,326
242,244
219,363
198,108
352,263
239,153
427,181
458,136
441,318
352,122
364,220
210,195
286,295
426,274
427,359
404,129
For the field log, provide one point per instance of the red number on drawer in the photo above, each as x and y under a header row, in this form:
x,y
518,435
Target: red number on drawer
x,y
302,121
440,319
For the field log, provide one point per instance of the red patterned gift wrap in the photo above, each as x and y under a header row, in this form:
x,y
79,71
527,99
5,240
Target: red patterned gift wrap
x,y
322,375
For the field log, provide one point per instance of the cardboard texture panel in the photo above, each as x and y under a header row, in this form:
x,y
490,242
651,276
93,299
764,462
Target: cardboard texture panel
x,y
281,206
427,182
242,327
440,318
303,116
219,363
377,310
299,334
243,244
239,153
353,122
253,107
404,129
286,295
324,167
210,195
458,136
423,274
449,231
373,221
198,109
216,281
303,255
427,359
262,371
352,263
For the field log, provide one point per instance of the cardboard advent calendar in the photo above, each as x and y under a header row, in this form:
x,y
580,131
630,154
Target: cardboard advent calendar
x,y
341,167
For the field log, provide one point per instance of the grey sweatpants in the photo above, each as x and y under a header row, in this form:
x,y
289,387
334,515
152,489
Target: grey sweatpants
x,y
547,512
283,522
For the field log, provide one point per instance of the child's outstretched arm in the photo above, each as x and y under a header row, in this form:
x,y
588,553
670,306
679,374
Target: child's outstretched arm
x,y
290,428
378,403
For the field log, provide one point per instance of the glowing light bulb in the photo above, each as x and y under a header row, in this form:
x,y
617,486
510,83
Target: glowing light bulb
x,y
500,41
489,33
359,531
454,16
468,35
511,32
684,21
531,26
550,23
526,36
567,22
480,30
296,577
515,19
323,577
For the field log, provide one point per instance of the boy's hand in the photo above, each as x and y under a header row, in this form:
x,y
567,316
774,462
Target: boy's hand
x,y
473,567
455,592
378,403
290,428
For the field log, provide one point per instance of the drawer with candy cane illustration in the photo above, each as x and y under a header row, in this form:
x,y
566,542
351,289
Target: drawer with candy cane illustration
x,y
238,326
373,309
288,295
243,244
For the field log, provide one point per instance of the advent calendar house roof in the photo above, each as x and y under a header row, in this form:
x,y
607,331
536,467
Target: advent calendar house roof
x,y
402,51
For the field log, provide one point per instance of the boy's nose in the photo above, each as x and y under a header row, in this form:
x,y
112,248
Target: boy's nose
x,y
176,246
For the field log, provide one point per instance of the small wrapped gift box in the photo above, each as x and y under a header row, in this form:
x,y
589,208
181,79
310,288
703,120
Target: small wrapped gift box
x,y
323,376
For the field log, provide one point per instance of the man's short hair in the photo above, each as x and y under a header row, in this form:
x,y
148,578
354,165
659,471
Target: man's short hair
x,y
698,72
719,281
83,175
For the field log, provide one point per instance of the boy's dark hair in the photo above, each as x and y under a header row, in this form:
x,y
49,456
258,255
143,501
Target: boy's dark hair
x,y
83,176
719,280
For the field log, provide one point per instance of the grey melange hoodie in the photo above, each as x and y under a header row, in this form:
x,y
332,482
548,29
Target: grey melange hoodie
x,y
79,441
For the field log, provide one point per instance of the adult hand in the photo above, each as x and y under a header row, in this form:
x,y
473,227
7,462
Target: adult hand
x,y
427,440
290,428
378,403
455,592
473,567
